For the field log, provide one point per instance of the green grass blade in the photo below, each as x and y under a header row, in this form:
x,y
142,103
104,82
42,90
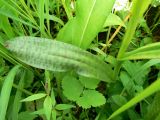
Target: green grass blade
x,y
16,102
54,18
149,47
6,27
138,9
67,8
8,10
5,92
154,87
4,53
47,15
41,16
153,54
150,51
58,56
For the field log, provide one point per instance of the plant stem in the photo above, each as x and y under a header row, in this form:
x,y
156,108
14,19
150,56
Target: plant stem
x,y
69,15
117,69
23,90
108,41
138,9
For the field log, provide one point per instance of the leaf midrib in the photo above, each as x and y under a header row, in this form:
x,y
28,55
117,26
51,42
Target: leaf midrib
x,y
85,27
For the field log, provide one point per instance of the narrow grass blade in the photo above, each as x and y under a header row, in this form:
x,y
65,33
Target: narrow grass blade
x,y
9,11
6,27
4,53
6,90
41,16
137,11
145,66
18,95
150,51
153,54
47,15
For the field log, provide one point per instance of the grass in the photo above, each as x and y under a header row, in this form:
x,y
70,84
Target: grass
x,y
82,69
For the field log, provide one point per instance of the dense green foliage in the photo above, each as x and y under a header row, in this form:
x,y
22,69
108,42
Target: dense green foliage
x,y
79,60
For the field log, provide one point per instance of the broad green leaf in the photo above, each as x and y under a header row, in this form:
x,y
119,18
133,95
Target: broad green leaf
x,y
89,20
64,106
146,66
154,87
154,108
127,82
89,82
91,98
72,88
6,90
119,100
48,81
39,112
113,19
47,107
150,51
53,98
54,114
58,56
34,97
29,78
158,117
134,71
134,115
26,116
155,3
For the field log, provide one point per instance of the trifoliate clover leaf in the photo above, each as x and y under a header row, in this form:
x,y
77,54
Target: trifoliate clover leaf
x,y
89,82
91,98
72,88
